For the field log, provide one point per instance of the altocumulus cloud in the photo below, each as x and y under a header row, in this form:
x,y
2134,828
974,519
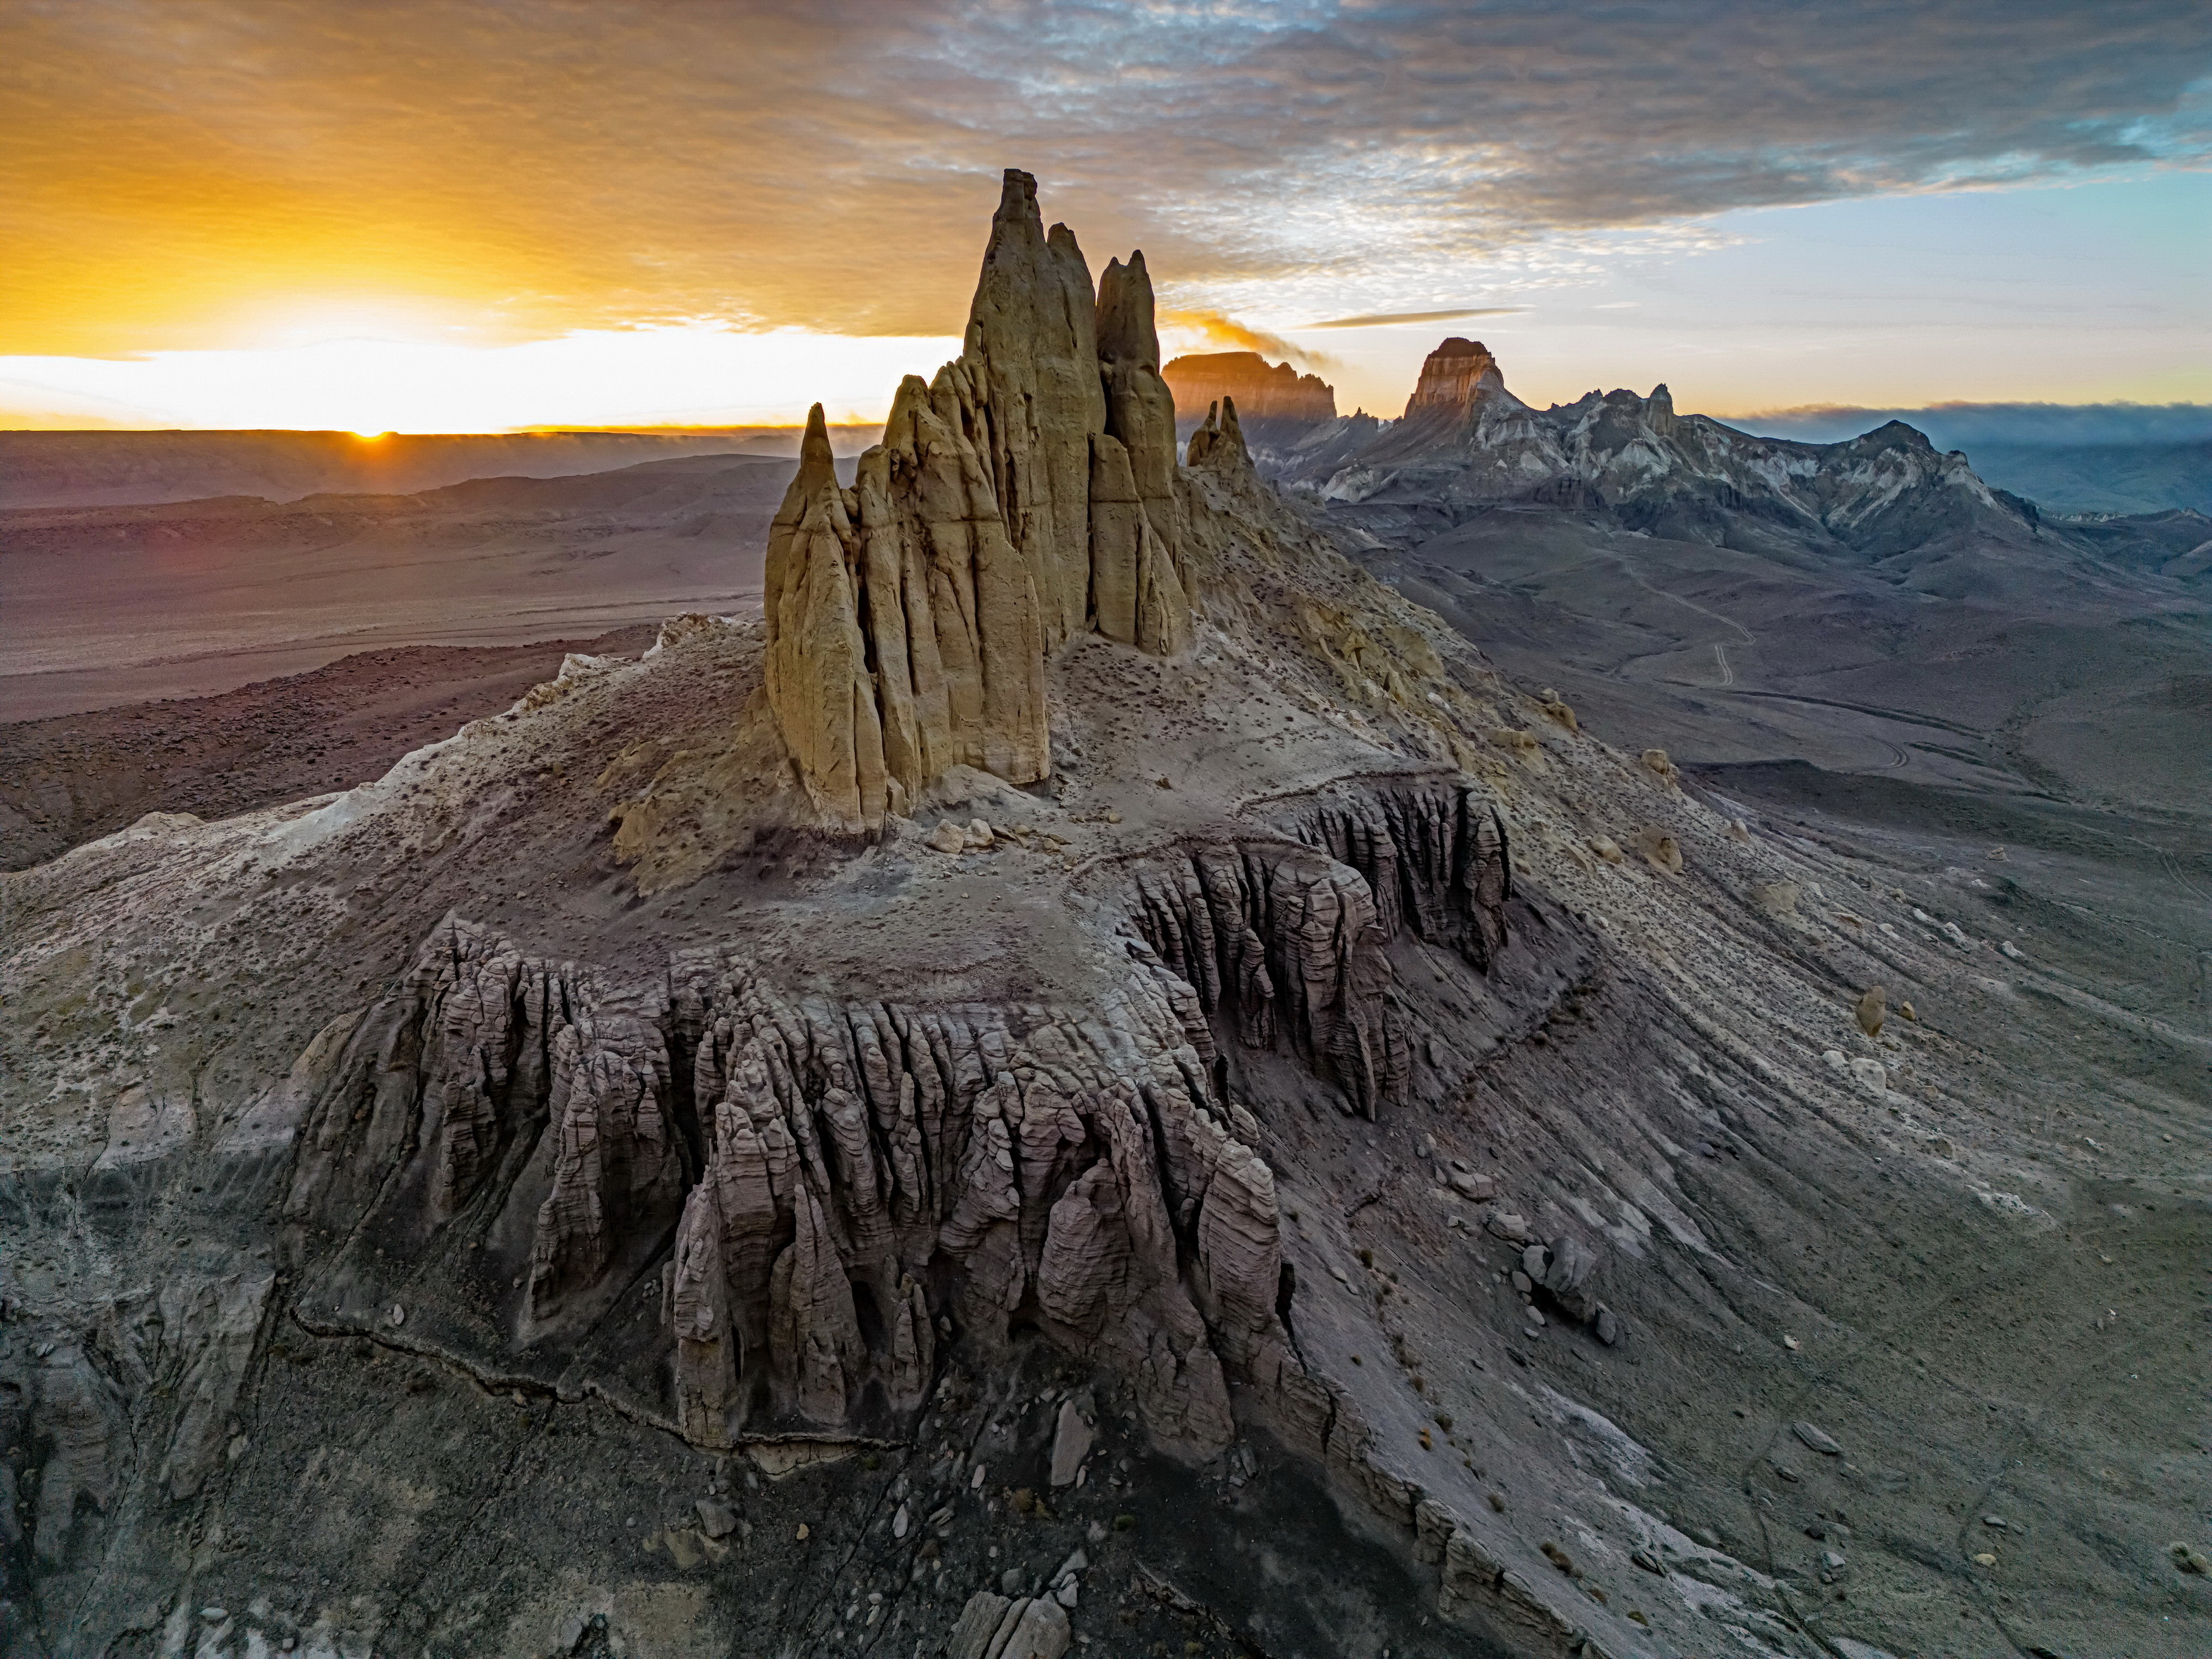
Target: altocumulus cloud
x,y
532,165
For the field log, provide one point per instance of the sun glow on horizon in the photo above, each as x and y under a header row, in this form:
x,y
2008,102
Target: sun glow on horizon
x,y
373,387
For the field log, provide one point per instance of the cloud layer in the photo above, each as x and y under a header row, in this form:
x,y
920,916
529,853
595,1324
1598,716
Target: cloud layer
x,y
169,166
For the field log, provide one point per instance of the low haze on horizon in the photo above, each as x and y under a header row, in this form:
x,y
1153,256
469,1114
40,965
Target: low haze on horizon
x,y
237,215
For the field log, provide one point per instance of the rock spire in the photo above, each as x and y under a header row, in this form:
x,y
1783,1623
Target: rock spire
x,y
1026,495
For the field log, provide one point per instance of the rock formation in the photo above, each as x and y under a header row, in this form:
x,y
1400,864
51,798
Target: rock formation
x,y
1025,497
1454,377
1264,391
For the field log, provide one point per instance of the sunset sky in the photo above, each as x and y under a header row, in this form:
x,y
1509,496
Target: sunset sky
x,y
460,217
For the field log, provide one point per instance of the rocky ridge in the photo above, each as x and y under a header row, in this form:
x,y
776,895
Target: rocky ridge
x,y
1465,440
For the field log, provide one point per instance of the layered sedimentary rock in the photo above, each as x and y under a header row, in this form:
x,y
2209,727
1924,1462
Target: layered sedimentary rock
x,y
1264,391
1283,941
1025,496
845,1183
1283,944
1454,377
1437,859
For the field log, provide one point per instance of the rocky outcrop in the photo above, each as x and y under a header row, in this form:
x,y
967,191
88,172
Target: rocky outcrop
x,y
1218,445
967,1165
80,1419
1454,377
1140,407
1029,378
994,1627
1283,946
1436,857
1025,496
838,1186
1264,391
502,1096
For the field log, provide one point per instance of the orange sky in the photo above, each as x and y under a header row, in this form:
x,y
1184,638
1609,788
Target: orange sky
x,y
624,211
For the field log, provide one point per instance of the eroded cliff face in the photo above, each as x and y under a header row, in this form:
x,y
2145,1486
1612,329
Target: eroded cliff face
x,y
1264,391
1025,496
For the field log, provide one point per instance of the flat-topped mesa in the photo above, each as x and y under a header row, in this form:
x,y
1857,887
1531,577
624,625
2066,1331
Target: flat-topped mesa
x,y
1263,391
1026,495
1456,376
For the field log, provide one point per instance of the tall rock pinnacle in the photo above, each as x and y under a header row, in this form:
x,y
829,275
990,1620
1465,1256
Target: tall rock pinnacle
x,y
1026,495
1032,354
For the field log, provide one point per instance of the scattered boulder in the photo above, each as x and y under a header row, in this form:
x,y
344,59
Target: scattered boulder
x,y
2190,1560
1467,1184
1660,850
994,1626
1776,898
716,1518
1871,1010
1071,1444
1657,764
1605,847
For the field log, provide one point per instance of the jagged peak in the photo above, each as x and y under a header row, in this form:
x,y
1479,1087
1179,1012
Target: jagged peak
x,y
1127,332
1893,435
1218,446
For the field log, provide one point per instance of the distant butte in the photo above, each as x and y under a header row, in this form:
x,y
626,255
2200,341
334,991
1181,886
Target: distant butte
x,y
1263,391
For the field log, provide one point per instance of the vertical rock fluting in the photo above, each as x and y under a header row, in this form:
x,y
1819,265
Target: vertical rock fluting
x,y
1435,856
1140,406
827,1180
506,1096
1031,357
864,1159
1025,495
1283,943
